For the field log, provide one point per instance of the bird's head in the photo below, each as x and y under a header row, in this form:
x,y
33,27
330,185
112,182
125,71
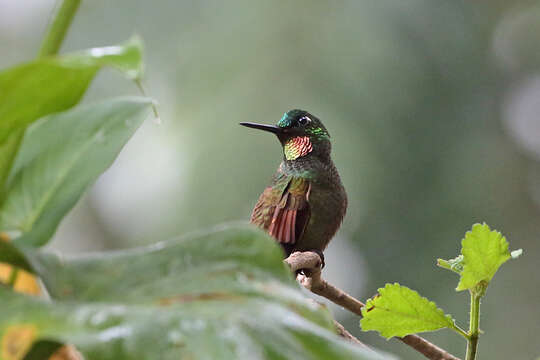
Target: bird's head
x,y
300,133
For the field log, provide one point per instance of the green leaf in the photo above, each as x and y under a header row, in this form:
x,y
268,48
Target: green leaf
x,y
44,86
219,330
222,294
226,260
126,57
61,155
400,311
484,251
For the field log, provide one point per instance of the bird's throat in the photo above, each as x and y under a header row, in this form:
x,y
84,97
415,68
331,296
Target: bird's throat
x,y
297,147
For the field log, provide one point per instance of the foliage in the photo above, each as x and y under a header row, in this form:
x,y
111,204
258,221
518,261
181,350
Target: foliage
x,y
28,92
219,294
52,84
483,251
400,311
222,294
60,156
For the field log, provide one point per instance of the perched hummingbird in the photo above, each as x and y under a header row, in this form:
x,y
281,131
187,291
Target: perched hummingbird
x,y
305,203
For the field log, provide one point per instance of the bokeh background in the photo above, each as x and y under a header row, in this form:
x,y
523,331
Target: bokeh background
x,y
433,107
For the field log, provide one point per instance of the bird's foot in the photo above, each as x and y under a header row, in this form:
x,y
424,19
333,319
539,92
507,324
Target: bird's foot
x,y
305,262
307,272
321,255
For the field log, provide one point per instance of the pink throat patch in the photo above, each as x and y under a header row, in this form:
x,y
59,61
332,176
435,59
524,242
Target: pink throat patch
x,y
297,147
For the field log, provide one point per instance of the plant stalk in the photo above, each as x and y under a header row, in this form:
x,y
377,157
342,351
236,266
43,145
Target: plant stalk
x,y
461,332
58,27
472,342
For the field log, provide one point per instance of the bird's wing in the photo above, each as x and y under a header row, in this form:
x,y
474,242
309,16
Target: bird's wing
x,y
283,209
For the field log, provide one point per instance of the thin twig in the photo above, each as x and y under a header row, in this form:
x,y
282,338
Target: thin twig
x,y
310,277
347,335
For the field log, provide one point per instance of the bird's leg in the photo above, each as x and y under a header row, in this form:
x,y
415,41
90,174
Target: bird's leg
x,y
305,262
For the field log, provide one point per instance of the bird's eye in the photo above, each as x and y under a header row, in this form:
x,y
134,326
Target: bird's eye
x,y
304,120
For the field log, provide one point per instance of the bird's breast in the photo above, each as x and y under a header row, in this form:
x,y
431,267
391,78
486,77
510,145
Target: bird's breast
x,y
328,205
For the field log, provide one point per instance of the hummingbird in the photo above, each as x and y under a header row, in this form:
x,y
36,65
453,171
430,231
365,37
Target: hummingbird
x,y
305,203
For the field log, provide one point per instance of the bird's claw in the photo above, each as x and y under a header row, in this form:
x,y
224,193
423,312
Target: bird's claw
x,y
307,272
321,255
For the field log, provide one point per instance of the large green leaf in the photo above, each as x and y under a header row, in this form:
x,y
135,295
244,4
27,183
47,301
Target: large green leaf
x,y
44,86
223,294
61,155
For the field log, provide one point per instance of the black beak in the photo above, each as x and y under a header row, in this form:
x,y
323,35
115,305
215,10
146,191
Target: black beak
x,y
270,128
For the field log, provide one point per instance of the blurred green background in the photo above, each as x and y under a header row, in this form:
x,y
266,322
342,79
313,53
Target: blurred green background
x,y
433,107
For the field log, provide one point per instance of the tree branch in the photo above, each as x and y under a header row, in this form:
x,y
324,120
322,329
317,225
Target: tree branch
x,y
310,277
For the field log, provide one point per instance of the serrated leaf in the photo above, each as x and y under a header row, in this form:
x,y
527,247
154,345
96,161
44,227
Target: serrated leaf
x,y
400,311
221,294
60,156
484,251
44,86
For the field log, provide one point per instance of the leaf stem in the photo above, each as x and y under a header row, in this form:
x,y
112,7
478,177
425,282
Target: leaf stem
x,y
474,325
58,27
461,332
140,85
